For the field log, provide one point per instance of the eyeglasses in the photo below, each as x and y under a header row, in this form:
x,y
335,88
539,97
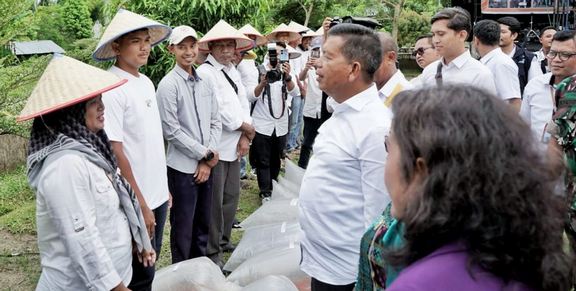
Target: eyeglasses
x,y
563,56
386,143
421,50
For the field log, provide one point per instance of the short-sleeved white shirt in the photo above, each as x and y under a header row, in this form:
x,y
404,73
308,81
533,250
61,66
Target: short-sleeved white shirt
x,y
505,73
538,105
132,118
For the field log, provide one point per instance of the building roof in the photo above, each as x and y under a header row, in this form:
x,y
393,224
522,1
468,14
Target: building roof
x,y
36,47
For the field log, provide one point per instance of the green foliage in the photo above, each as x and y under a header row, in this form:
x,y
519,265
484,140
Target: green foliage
x,y
14,20
21,220
76,18
411,25
47,23
16,84
14,190
200,14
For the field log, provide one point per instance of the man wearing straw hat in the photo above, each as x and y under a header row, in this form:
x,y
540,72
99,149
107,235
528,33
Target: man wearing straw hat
x,y
133,123
222,41
192,128
89,221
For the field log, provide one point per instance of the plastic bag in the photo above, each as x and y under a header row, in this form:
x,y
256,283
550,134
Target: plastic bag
x,y
289,185
273,212
259,239
280,192
293,173
199,274
284,262
276,283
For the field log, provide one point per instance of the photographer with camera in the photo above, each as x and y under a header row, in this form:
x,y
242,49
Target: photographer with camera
x,y
270,116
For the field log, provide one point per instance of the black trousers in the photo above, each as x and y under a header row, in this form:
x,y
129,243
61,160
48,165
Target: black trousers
x,y
189,215
311,126
265,156
142,277
321,286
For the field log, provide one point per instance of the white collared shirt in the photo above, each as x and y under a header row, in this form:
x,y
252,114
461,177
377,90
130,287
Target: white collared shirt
x,y
462,70
538,105
83,234
343,188
313,100
234,108
505,73
249,75
132,118
395,85
263,121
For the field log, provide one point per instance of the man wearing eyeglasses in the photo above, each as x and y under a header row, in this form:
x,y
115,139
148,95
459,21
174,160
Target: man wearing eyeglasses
x,y
424,53
538,102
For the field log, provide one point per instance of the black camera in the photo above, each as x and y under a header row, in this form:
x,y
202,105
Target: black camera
x,y
364,21
276,62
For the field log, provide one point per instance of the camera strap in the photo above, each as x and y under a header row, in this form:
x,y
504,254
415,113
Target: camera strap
x,y
284,96
227,78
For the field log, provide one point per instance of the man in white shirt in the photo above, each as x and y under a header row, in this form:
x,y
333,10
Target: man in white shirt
x,y
133,124
425,54
538,102
270,116
546,35
505,71
528,66
312,106
389,79
237,131
450,29
343,188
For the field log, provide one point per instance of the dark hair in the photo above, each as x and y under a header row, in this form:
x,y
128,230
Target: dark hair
x,y
387,41
488,32
547,28
427,36
118,39
564,35
458,18
211,43
280,43
512,23
361,44
487,187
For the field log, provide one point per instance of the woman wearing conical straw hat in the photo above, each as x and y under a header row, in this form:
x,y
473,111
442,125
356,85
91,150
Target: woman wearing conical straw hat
x,y
133,123
88,219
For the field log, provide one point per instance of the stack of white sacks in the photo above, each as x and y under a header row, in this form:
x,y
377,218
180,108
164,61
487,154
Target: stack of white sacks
x,y
267,257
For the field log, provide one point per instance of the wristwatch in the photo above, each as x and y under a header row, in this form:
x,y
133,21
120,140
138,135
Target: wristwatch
x,y
209,156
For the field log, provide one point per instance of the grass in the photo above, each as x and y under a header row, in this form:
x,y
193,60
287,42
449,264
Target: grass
x,y
14,190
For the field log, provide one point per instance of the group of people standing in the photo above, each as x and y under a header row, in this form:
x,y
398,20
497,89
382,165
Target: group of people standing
x,y
432,184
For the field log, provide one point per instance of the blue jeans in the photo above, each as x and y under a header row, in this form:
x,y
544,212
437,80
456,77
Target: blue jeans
x,y
243,163
295,122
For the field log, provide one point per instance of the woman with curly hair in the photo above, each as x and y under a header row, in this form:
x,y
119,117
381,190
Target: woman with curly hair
x,y
473,196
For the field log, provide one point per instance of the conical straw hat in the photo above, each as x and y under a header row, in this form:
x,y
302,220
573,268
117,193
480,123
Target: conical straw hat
x,y
293,35
250,30
66,82
311,33
298,27
223,30
124,22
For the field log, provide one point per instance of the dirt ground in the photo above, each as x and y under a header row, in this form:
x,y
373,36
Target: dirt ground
x,y
19,261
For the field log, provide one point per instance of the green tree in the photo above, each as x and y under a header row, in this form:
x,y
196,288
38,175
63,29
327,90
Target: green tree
x,y
76,18
200,14
412,24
